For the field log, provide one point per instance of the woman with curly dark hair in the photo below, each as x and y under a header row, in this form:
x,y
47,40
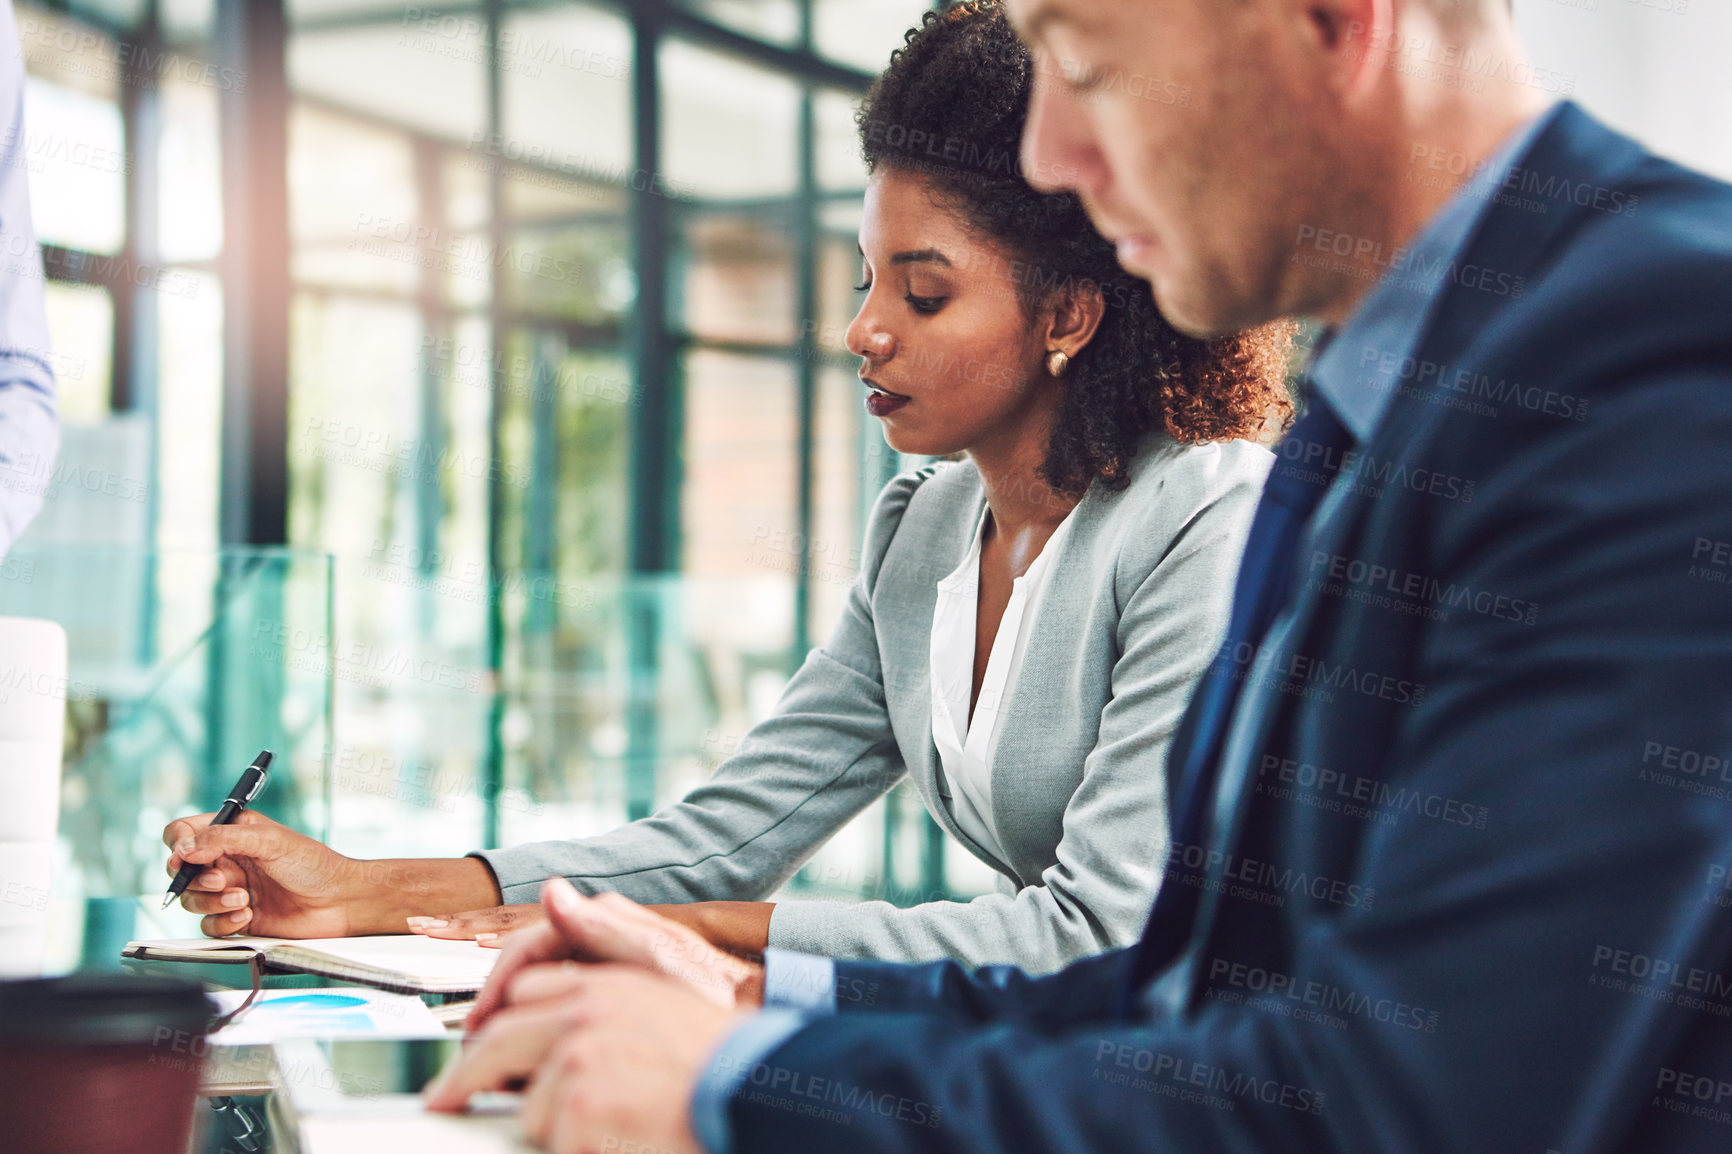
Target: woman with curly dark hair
x,y
941,129
1028,621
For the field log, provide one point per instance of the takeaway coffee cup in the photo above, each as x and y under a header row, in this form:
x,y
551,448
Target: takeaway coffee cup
x,y
94,1063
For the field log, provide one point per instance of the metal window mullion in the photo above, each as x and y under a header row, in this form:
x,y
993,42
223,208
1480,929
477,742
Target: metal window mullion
x,y
436,325
136,327
805,365
654,482
493,760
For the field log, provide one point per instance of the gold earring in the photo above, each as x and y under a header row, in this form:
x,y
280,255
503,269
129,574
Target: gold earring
x,y
1057,361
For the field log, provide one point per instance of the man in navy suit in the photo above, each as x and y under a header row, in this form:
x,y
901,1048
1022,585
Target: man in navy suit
x,y
1452,812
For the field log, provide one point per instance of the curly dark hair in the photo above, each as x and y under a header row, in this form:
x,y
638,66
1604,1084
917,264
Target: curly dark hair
x,y
950,109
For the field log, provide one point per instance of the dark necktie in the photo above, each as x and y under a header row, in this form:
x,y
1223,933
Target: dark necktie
x,y
1307,460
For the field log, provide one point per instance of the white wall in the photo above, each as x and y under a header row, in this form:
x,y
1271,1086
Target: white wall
x,y
1660,70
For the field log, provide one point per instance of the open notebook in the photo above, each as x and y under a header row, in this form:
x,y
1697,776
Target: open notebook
x,y
406,963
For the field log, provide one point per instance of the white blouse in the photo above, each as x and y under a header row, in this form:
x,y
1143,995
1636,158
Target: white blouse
x,y
965,748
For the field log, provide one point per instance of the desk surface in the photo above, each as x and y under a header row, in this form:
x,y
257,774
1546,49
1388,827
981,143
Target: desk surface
x,y
427,1134
242,1107
241,1079
251,1124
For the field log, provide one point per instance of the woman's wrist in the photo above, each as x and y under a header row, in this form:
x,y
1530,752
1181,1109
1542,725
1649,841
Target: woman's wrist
x,y
387,892
741,928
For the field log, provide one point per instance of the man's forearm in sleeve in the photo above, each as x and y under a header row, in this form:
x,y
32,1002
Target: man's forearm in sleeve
x,y
29,414
29,440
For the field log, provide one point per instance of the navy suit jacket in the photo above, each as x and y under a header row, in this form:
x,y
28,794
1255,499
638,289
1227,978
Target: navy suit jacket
x,y
1472,895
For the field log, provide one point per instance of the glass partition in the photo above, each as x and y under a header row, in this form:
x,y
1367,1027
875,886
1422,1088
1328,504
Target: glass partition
x,y
182,666
618,696
572,435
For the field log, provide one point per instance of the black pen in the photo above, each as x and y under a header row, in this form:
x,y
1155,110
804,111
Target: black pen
x,y
252,780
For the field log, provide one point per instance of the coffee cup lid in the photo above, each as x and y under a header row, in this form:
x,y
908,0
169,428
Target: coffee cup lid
x,y
101,1009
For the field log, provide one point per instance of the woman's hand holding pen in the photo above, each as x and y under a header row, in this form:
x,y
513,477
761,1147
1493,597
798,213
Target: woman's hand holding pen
x,y
263,878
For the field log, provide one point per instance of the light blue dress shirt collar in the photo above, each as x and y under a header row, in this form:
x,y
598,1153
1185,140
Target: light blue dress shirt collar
x,y
1359,369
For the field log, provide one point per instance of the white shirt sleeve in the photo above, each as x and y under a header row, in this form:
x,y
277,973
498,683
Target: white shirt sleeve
x,y
29,414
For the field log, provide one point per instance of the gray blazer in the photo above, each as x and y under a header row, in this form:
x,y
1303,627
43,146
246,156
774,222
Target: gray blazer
x,y
1132,613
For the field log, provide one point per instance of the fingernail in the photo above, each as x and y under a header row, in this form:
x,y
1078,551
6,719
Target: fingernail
x,y
184,846
485,937
418,923
210,879
235,899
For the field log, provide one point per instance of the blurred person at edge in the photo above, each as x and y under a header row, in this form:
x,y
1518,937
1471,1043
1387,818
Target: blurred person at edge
x,y
1028,622
1516,736
29,413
